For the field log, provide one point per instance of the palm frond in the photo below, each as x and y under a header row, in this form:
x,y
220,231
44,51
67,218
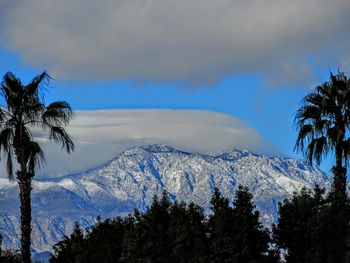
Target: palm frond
x,y
321,149
9,166
24,107
58,113
32,112
323,118
2,114
310,151
59,135
325,90
339,81
309,113
347,94
11,121
33,88
19,141
322,126
305,131
6,140
35,155
314,99
333,134
12,90
11,83
346,150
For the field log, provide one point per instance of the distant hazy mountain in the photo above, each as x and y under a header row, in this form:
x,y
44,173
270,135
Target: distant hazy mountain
x,y
131,180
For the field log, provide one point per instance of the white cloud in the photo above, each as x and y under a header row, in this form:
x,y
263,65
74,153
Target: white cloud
x,y
101,135
199,41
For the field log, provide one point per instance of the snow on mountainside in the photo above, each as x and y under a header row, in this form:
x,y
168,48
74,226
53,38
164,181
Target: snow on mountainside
x,y
131,180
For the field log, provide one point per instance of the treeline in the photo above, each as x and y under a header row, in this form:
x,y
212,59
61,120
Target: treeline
x,y
174,232
313,227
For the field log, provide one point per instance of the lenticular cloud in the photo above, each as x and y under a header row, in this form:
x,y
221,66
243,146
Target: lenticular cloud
x,y
100,135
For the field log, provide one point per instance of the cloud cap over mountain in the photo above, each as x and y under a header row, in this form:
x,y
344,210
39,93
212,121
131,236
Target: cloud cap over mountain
x,y
100,135
199,41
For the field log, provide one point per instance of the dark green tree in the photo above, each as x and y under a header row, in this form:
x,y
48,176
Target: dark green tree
x,y
131,237
310,230
104,242
24,109
10,257
101,243
151,240
236,235
251,239
188,233
298,230
174,232
221,229
71,249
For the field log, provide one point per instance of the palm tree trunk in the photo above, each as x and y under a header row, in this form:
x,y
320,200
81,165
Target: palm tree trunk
x,y
24,195
0,245
25,188
339,180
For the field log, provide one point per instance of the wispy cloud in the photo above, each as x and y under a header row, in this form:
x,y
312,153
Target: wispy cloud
x,y
101,135
197,41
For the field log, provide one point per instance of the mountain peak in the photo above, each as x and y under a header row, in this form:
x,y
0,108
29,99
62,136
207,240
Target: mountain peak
x,y
158,148
132,179
235,154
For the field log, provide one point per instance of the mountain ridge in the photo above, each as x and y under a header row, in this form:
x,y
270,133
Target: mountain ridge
x,y
132,178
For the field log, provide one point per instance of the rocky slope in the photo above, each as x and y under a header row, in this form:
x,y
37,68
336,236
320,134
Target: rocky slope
x,y
131,180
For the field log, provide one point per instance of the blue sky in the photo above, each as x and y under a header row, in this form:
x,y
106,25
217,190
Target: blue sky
x,y
270,111
168,57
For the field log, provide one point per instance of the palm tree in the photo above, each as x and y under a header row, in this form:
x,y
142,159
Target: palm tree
x,y
323,121
24,110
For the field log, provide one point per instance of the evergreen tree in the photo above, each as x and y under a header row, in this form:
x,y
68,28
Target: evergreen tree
x,y
131,238
236,235
220,229
295,231
70,249
151,240
335,229
104,241
10,257
310,229
174,232
251,239
187,233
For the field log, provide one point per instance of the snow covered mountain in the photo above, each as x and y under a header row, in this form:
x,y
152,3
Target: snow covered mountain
x,y
131,180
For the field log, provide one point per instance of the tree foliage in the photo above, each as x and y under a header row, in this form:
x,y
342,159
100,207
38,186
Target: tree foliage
x,y
310,229
236,235
174,232
323,124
